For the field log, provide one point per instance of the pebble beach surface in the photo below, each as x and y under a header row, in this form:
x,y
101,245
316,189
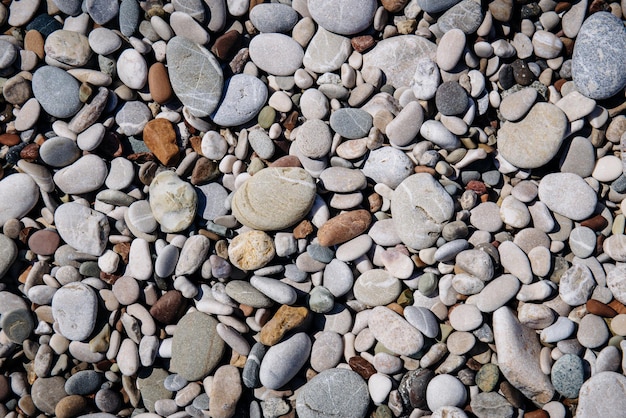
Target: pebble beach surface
x,y
292,208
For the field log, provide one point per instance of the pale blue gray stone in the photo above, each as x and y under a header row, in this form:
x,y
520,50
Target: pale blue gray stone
x,y
326,51
129,17
466,15
568,194
8,54
74,309
83,382
419,207
273,17
261,143
8,254
491,405
339,393
86,230
132,117
56,91
102,11
59,151
388,165
195,74
276,54
211,199
194,8
69,7
18,184
244,96
345,17
283,360
398,57
85,175
598,59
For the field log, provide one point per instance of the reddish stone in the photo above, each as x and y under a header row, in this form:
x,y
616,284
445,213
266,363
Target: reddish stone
x,y
362,367
601,309
10,139
537,413
160,137
168,307
597,223
344,227
362,43
617,306
204,171
291,120
394,6
562,6
286,161
226,45
44,242
159,83
599,6
477,186
375,202
30,152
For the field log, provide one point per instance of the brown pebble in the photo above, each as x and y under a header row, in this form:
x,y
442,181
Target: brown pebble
x,y
160,137
286,319
362,367
601,309
394,6
291,120
559,83
196,144
397,308
71,406
168,307
424,169
247,310
344,227
16,90
123,249
375,202
477,186
33,41
5,388
513,395
226,45
617,306
303,229
598,6
111,146
30,152
44,242
204,171
159,83
286,161
362,43
9,139
562,6
597,223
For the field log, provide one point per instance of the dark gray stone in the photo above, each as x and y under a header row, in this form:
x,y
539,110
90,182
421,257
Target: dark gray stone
x,y
102,11
599,54
413,388
250,374
59,152
451,99
436,6
339,393
69,7
129,17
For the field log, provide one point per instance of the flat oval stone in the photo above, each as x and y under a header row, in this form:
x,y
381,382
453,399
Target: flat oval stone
x,y
18,195
196,346
535,140
59,152
345,17
342,179
195,74
173,202
85,175
132,69
497,293
599,52
337,392
47,392
419,207
276,54
326,51
376,287
568,194
351,123
243,292
74,308
423,319
86,230
56,91
244,96
274,198
344,227
273,17
283,360
314,138
394,332
83,382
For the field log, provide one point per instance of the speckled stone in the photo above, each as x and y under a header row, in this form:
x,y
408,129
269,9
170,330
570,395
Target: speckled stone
x,y
173,202
337,392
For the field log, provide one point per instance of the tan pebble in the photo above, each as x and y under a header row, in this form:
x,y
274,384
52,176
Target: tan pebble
x,y
251,250
33,41
344,227
71,406
286,318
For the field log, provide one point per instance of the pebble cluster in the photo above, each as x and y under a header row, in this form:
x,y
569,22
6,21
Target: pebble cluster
x,y
347,208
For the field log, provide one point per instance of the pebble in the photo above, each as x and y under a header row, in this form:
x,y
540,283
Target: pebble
x,y
17,184
388,165
595,60
598,395
394,332
275,53
193,69
256,205
577,199
283,360
423,320
243,98
327,351
273,18
334,391
445,390
418,217
196,347
376,287
326,51
346,17
173,202
92,238
351,123
568,375
56,91
74,308
536,139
